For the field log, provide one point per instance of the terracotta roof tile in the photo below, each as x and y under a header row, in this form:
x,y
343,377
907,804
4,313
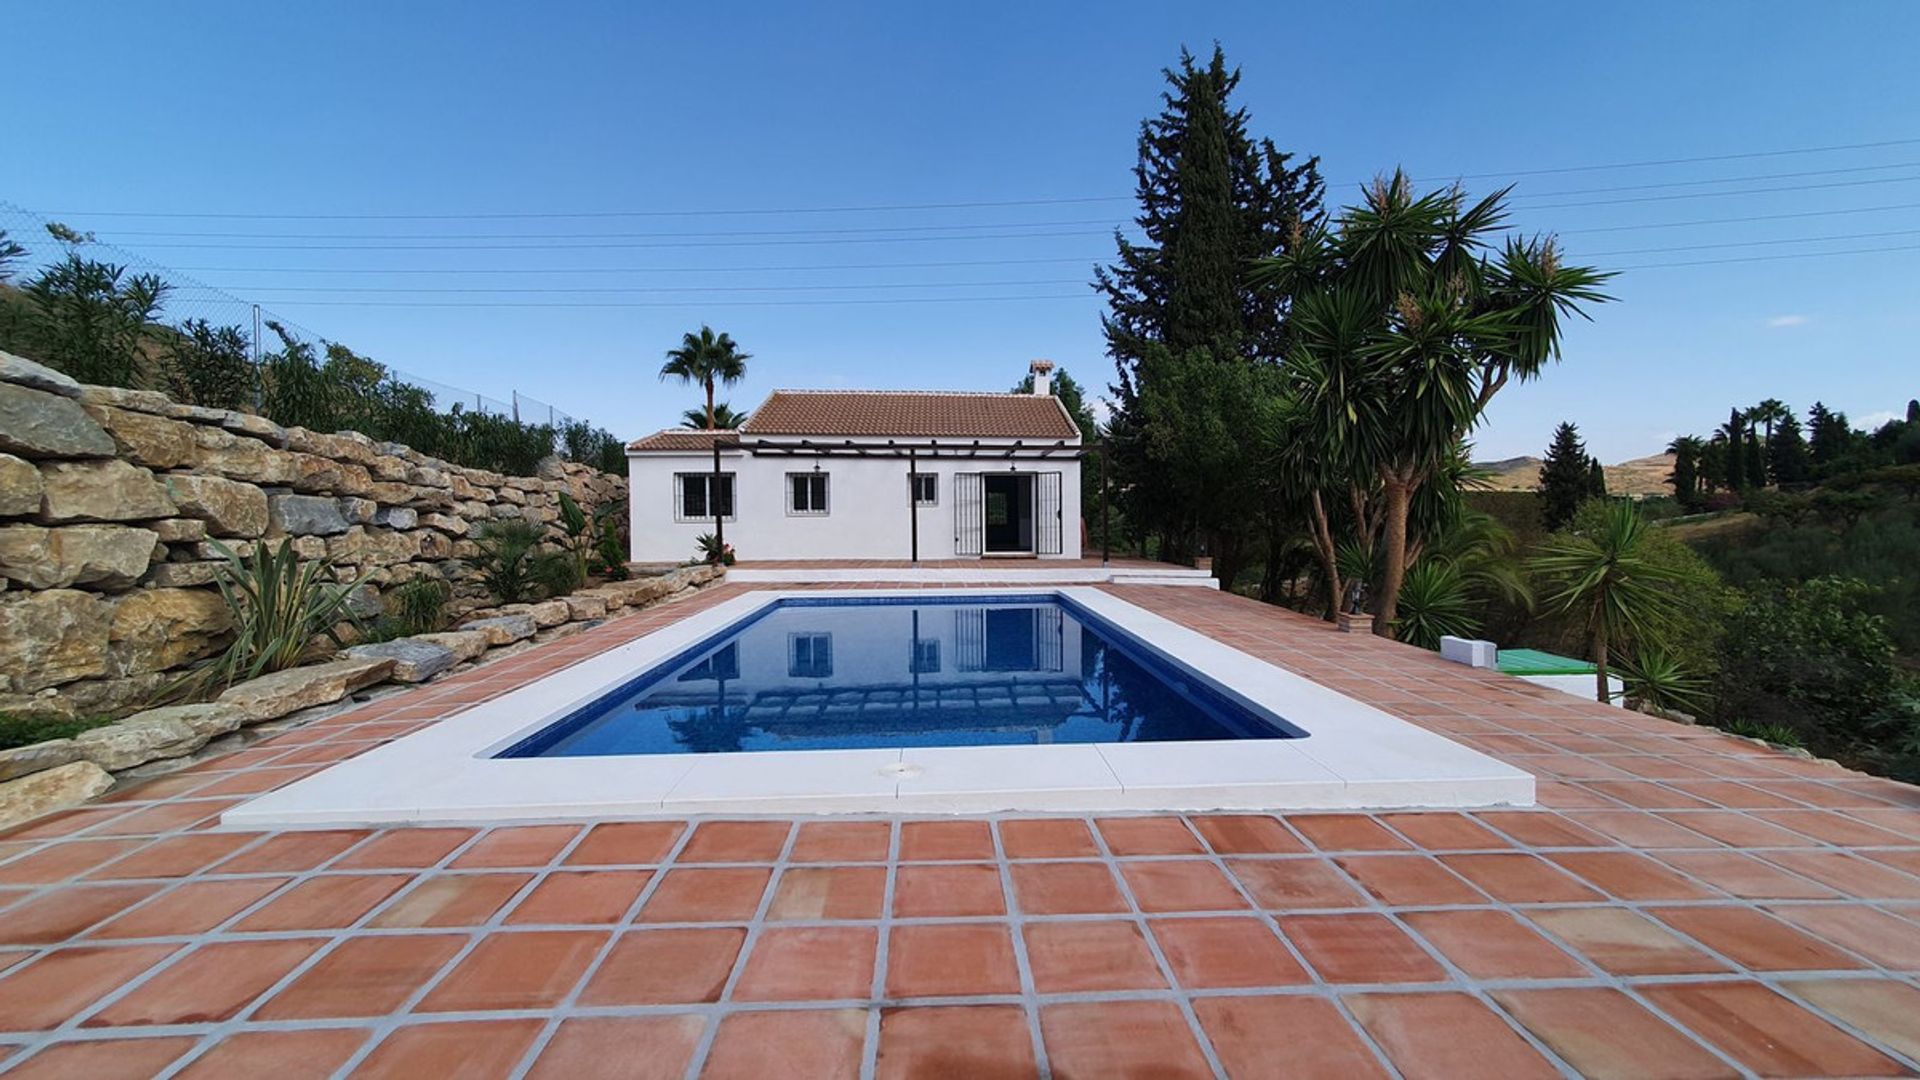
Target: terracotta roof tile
x,y
682,440
917,413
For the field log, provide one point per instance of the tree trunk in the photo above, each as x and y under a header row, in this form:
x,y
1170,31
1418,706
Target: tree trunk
x,y
1393,568
709,404
1600,664
1322,534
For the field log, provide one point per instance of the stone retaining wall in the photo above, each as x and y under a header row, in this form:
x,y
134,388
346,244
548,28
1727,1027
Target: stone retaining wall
x,y
110,498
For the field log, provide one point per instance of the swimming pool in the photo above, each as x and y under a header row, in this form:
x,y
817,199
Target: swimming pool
x,y
841,674
1289,742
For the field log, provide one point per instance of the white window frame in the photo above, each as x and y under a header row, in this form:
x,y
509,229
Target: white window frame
x,y
706,478
826,494
819,648
931,478
924,656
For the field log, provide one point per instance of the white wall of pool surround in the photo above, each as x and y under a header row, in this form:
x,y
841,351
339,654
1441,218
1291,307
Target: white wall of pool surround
x,y
1354,756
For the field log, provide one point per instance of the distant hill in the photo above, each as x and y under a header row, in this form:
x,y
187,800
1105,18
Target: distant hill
x,y
1641,476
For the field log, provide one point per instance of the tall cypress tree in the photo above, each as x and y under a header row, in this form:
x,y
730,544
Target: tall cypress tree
x,y
1787,455
1596,479
1185,330
1736,433
1829,434
1756,464
1566,477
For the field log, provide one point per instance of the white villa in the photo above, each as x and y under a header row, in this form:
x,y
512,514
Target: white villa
x,y
867,474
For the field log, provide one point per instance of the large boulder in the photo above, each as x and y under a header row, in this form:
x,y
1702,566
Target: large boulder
x,y
146,439
413,660
37,424
503,629
157,629
53,637
305,515
463,644
24,372
581,606
229,507
50,790
139,739
110,490
20,487
19,761
240,458
108,557
272,696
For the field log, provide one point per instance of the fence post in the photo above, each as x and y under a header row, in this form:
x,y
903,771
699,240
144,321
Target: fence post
x,y
516,405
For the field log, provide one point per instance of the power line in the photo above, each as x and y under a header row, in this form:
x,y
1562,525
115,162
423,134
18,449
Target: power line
x,y
1721,194
1688,160
637,269
622,235
1754,243
1771,258
1740,220
1704,183
683,288
633,244
684,303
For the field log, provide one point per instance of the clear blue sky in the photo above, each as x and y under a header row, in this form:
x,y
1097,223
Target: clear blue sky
x,y
492,108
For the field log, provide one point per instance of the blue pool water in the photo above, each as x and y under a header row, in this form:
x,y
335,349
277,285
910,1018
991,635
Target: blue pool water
x,y
837,674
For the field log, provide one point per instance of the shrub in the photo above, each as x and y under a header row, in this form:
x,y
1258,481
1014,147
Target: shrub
x,y
505,561
27,730
1809,657
210,366
1653,677
712,551
1434,603
557,573
280,607
419,606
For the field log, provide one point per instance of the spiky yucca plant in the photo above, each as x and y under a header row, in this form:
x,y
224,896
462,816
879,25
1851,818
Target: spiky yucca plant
x,y
279,605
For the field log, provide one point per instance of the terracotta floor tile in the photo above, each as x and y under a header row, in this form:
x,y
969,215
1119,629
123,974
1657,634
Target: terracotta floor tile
x,y
736,842
1443,831
842,841
370,976
116,1059
212,983
1149,836
1066,889
1879,1007
1850,874
805,963
801,1045
1876,935
49,991
1628,876
1295,884
62,862
1410,880
588,1047
192,907
55,916
945,840
829,892
452,900
1753,940
1220,952
283,1055
987,1042
948,891
405,849
1738,829
932,960
165,817
583,897
1346,832
1623,942
1285,1038
1638,829
1745,876
291,852
1768,1033
470,1050
1359,949
528,846
324,903
175,856
723,894
1542,828
1181,885
1833,828
1519,879
1121,1039
1607,1036
1445,1036
666,967
1076,957
532,970
1047,838
1247,834
1490,944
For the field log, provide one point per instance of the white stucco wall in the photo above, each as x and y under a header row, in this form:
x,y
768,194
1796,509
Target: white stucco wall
x,y
867,498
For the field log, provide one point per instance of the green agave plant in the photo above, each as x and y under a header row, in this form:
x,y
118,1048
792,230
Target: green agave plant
x,y
1434,603
1653,676
279,605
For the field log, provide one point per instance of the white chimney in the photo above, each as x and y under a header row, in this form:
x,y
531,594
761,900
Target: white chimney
x,y
1042,377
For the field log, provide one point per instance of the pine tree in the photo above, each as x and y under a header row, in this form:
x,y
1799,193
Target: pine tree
x,y
1787,456
1183,326
1713,463
1829,434
1756,463
1736,435
1566,477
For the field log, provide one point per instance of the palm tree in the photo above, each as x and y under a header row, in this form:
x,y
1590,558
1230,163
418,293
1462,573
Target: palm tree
x,y
1608,575
723,418
706,358
1768,413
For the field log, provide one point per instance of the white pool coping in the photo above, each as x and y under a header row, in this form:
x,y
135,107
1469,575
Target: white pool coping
x,y
1354,756
1040,573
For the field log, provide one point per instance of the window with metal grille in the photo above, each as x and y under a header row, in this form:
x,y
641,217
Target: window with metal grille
x,y
806,493
696,496
926,489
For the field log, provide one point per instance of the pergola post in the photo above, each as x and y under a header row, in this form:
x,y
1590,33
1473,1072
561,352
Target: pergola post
x,y
1106,521
713,496
913,499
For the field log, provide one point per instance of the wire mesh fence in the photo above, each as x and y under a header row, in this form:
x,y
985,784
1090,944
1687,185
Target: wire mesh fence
x,y
185,299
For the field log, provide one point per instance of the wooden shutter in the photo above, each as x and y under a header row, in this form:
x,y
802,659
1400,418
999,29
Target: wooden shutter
x,y
969,517
1047,524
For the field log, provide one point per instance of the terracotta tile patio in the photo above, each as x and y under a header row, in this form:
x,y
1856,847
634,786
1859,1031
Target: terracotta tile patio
x,y
1682,904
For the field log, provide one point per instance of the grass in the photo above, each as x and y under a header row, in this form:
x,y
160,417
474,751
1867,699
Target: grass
x,y
27,730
